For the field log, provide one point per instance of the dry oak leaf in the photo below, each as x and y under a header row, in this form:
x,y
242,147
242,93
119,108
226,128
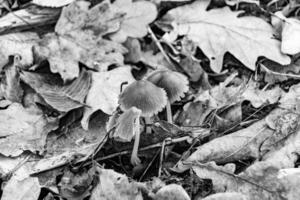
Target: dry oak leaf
x,y
22,130
104,92
220,30
138,15
60,97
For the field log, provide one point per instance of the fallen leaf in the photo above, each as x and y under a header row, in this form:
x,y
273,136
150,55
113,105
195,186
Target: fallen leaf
x,y
220,30
61,97
104,92
259,97
171,192
76,186
113,185
79,39
26,189
10,82
79,20
18,43
22,130
137,16
53,3
227,196
290,36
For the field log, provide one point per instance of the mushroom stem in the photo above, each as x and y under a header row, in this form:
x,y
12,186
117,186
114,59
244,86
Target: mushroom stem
x,y
169,112
148,122
134,155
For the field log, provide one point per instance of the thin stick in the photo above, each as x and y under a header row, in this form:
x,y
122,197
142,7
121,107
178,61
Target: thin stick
x,y
162,152
149,165
159,46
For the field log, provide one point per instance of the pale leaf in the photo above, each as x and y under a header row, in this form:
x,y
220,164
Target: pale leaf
x,y
290,36
22,130
138,15
52,3
27,189
220,30
61,97
113,185
104,92
18,43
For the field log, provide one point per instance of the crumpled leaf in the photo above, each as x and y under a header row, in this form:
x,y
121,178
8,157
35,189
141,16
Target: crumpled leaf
x,y
73,145
53,3
220,30
138,15
78,19
261,185
18,43
26,189
227,196
62,54
61,97
76,186
243,144
10,82
113,185
171,192
22,130
259,97
104,92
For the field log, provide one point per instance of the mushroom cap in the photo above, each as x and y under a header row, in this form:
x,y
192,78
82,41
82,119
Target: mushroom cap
x,y
145,96
174,83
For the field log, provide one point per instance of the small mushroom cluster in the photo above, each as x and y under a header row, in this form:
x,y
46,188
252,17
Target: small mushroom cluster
x,y
145,98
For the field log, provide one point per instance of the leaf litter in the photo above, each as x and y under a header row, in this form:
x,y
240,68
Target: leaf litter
x,y
233,135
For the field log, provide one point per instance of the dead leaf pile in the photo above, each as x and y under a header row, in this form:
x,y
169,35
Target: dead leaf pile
x,y
233,135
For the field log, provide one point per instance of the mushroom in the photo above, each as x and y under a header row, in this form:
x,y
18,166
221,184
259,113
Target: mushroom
x,y
174,83
140,98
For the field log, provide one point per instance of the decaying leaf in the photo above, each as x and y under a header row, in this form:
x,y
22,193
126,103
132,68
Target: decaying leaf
x,y
18,43
80,39
22,130
104,92
28,188
258,97
171,192
76,186
10,82
215,37
137,16
227,196
113,185
53,3
61,97
78,19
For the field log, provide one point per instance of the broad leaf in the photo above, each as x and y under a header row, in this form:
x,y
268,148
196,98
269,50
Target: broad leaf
x,y
220,30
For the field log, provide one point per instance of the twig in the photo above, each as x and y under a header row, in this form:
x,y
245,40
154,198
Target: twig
x,y
159,46
153,146
161,158
149,165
